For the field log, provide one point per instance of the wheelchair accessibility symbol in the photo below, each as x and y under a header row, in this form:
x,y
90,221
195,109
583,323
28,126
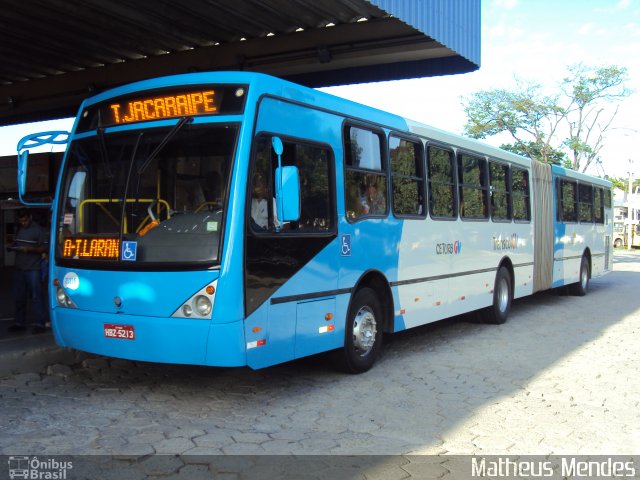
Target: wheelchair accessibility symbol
x,y
345,245
129,251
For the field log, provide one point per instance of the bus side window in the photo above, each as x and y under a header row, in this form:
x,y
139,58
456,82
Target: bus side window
x,y
568,201
608,198
521,206
365,176
315,165
499,190
407,177
472,179
598,205
585,203
442,183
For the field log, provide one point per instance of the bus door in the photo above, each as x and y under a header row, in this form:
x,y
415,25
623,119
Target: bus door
x,y
290,267
569,243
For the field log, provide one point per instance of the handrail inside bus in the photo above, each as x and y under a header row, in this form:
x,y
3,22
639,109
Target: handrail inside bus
x,y
205,204
101,201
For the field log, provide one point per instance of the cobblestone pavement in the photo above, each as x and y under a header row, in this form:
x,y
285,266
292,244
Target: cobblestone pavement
x,y
560,377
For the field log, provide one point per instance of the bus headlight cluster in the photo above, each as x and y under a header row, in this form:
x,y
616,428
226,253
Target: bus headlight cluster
x,y
203,305
63,299
200,305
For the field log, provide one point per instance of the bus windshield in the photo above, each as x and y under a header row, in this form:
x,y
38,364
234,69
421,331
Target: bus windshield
x,y
153,196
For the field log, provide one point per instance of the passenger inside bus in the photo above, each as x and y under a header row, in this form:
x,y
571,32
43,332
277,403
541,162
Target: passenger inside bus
x,y
259,205
354,201
374,200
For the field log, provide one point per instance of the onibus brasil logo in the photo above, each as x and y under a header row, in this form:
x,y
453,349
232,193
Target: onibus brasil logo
x,y
35,469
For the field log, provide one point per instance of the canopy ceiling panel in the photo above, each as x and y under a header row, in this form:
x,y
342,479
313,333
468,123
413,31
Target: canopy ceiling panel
x,y
54,53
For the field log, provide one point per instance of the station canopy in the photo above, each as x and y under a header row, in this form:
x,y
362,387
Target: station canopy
x,y
55,53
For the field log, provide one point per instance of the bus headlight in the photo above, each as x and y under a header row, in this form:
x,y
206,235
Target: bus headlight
x,y
63,299
203,305
200,305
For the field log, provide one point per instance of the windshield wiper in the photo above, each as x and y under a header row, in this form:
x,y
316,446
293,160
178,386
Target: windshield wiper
x,y
126,185
103,147
176,128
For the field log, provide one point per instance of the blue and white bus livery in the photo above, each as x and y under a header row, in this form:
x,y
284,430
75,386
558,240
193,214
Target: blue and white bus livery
x,y
233,219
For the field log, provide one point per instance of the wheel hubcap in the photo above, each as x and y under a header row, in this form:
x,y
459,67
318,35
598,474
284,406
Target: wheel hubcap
x,y
584,278
503,295
364,330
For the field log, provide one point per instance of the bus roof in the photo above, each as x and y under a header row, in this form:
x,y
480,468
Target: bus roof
x,y
262,84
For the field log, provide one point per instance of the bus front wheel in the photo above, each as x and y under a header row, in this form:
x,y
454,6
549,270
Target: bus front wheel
x,y
502,297
363,333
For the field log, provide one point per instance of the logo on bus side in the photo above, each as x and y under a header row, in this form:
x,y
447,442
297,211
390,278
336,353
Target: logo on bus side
x,y
449,248
71,281
505,243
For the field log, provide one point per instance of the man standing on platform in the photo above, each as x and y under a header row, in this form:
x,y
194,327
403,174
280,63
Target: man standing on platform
x,y
30,243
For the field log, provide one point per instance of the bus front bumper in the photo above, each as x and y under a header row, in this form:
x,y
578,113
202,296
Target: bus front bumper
x,y
151,339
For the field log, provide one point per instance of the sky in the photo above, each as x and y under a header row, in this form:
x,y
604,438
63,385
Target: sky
x,y
531,40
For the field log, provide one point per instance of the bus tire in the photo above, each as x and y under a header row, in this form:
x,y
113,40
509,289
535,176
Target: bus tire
x,y
617,243
582,285
363,333
498,312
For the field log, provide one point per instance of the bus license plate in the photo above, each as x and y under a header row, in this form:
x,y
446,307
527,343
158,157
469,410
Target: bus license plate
x,y
123,332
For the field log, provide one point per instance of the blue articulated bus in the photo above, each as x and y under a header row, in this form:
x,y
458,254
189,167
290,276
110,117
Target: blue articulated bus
x,y
234,218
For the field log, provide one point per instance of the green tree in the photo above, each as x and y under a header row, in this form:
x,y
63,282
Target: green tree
x,y
527,115
623,183
568,127
538,151
591,92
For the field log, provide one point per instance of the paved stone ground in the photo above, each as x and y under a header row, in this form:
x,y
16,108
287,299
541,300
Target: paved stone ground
x,y
560,377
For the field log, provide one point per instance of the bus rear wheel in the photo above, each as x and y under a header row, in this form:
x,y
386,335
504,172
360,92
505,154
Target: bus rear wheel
x,y
498,313
363,333
582,285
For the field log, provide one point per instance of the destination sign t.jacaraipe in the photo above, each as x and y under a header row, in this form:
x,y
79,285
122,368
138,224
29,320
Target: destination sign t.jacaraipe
x,y
203,102
164,104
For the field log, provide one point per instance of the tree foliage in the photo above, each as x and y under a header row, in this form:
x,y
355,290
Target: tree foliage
x,y
536,150
618,183
623,183
592,92
568,127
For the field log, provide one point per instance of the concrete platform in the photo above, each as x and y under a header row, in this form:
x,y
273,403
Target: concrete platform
x,y
24,352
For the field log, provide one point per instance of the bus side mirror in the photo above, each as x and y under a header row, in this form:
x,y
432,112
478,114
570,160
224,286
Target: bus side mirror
x,y
23,162
288,194
22,173
33,141
287,183
276,142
